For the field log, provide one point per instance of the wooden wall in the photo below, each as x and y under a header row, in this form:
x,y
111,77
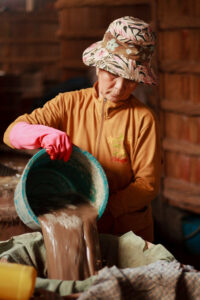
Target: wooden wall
x,y
28,40
179,93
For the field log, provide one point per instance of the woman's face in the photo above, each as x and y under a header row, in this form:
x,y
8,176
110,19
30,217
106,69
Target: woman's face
x,y
113,87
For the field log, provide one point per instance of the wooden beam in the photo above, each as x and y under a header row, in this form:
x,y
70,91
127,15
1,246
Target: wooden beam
x,y
181,185
191,67
178,22
34,17
76,35
60,4
187,108
181,146
73,65
28,41
183,200
28,60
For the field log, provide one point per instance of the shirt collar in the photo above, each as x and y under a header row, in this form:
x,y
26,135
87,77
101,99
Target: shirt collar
x,y
110,107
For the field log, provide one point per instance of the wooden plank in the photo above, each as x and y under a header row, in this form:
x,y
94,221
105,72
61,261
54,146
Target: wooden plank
x,y
76,35
180,87
179,22
11,41
175,126
176,13
28,60
73,64
60,4
33,17
181,185
187,108
181,146
179,126
179,50
182,166
191,67
183,200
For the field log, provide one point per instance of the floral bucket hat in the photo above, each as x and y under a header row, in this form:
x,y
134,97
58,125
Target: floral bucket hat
x,y
126,50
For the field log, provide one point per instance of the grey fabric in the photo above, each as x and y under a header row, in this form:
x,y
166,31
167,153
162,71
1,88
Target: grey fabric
x,y
159,280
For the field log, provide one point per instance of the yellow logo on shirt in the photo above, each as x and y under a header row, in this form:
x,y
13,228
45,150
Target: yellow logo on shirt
x,y
117,148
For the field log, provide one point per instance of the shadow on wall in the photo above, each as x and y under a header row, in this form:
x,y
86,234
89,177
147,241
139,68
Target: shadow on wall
x,y
142,92
72,84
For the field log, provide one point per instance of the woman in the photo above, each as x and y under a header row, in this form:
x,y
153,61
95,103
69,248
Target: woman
x,y
110,123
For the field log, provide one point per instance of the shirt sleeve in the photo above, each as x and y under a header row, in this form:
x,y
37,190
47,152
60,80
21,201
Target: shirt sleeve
x,y
146,165
51,114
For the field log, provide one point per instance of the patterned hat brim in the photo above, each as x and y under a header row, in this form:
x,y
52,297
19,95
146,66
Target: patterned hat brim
x,y
98,56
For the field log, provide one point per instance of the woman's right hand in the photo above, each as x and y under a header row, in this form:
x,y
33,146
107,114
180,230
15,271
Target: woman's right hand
x,y
57,145
32,136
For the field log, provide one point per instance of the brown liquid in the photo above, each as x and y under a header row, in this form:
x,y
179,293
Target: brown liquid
x,y
72,242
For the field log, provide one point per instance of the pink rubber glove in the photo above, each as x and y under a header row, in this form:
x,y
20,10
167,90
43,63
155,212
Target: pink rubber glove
x,y
30,136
